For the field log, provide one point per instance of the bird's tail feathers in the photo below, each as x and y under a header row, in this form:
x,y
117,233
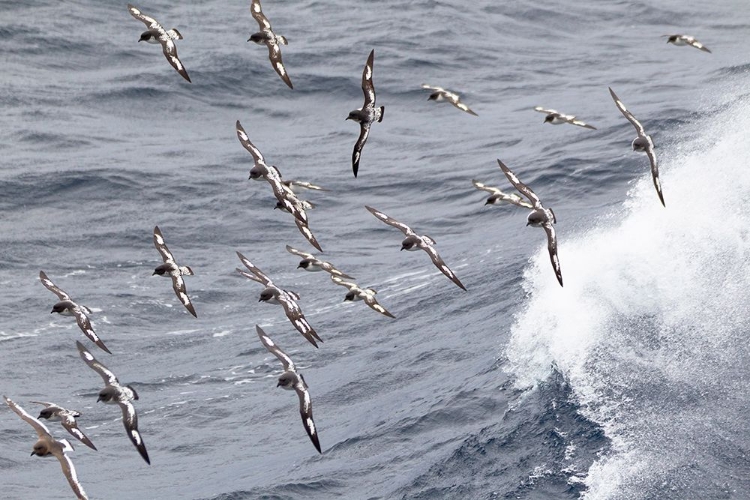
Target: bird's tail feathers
x,y
174,34
382,112
186,271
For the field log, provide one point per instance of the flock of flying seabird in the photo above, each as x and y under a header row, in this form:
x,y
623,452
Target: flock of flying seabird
x,y
287,200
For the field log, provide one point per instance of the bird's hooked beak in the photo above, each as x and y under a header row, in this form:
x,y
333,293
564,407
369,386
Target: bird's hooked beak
x,y
52,311
153,273
528,224
32,453
300,265
260,300
98,399
278,384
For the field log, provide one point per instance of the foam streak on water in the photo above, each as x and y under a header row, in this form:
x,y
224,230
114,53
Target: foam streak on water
x,y
651,328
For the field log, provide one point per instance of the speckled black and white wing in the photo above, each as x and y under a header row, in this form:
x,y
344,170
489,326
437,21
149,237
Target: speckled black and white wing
x,y
68,421
52,287
170,52
440,264
130,422
257,274
305,185
575,121
364,133
249,276
371,301
245,141
296,317
463,107
178,285
348,284
484,187
70,471
654,170
107,375
257,13
39,427
300,253
290,203
390,221
545,110
274,55
150,22
305,411
161,247
84,323
269,344
520,186
308,234
695,43
552,248
638,127
434,89
368,88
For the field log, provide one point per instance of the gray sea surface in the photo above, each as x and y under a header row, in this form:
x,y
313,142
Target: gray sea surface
x,y
631,382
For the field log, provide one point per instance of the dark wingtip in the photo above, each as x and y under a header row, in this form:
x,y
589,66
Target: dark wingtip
x,y
103,347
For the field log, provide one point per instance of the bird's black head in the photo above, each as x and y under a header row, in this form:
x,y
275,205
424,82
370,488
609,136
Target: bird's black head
x,y
672,39
304,264
46,413
58,308
105,395
266,295
548,119
433,96
286,380
145,36
40,449
349,296
407,244
159,270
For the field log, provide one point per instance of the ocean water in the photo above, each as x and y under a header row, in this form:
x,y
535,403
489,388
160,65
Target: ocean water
x,y
631,382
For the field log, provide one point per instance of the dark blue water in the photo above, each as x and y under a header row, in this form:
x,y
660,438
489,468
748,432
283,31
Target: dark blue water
x,y
629,383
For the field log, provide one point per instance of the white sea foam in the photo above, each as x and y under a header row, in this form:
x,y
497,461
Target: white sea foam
x,y
651,327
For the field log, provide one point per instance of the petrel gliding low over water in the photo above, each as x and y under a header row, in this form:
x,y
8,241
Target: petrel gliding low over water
x,y
539,217
47,445
293,381
414,242
440,94
680,40
171,269
116,394
66,307
556,118
367,114
67,419
275,295
270,39
157,34
642,143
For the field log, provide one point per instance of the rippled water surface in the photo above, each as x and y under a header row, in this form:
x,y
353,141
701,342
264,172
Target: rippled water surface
x,y
628,383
